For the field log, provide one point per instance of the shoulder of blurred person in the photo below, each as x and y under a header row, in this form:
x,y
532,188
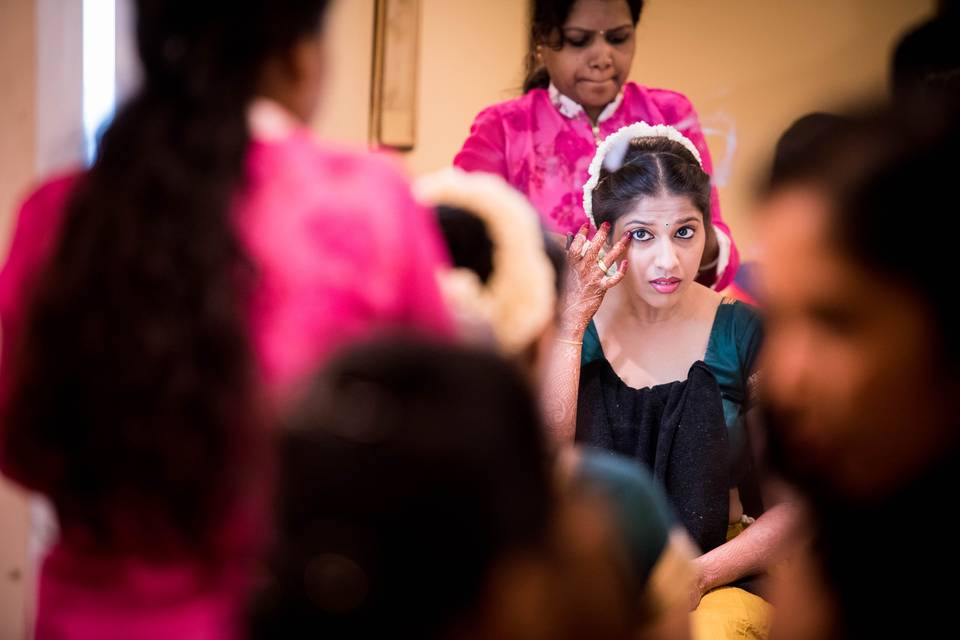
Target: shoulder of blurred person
x,y
327,219
35,229
658,550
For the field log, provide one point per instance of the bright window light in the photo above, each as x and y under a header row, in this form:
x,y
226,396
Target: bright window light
x,y
99,69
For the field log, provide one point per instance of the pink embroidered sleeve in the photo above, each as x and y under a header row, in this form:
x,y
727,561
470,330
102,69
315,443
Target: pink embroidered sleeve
x,y
485,148
684,117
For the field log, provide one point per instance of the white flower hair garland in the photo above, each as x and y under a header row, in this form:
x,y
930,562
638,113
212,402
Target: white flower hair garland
x,y
613,149
519,298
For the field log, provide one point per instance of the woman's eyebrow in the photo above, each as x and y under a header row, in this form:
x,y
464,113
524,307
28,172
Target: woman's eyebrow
x,y
585,30
651,224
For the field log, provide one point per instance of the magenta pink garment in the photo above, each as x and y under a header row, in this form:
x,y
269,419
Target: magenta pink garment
x,y
545,154
342,251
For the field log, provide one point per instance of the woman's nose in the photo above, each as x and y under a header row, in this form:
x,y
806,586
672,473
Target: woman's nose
x,y
666,257
602,55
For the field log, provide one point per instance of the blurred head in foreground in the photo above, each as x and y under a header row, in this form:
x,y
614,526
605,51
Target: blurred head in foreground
x,y
417,499
862,359
862,371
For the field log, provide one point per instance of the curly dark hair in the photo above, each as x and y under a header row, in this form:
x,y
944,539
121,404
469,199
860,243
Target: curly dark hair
x,y
133,399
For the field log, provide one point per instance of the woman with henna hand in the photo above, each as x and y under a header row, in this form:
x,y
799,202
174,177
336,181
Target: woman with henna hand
x,y
644,351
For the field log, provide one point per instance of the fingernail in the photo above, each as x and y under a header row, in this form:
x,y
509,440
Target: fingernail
x,y
605,226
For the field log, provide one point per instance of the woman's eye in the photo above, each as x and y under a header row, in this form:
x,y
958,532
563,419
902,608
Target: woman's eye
x,y
640,234
685,233
577,38
618,38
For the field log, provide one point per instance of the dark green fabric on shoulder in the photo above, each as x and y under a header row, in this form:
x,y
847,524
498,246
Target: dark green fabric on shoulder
x,y
731,355
643,517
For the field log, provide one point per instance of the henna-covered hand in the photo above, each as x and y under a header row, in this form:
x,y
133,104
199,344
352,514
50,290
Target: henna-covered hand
x,y
587,279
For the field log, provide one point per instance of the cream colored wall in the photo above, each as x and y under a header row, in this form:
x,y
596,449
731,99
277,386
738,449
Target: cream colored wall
x,y
471,55
345,113
17,102
17,161
761,64
16,577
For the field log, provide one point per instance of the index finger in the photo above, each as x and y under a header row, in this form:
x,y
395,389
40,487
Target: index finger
x,y
618,250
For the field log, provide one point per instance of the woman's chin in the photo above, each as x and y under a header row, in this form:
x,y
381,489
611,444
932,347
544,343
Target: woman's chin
x,y
596,99
652,298
596,95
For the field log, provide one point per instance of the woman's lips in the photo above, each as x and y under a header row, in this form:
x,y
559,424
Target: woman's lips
x,y
666,285
596,82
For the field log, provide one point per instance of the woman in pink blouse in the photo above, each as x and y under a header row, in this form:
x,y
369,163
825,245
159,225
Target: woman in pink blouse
x,y
159,309
576,95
